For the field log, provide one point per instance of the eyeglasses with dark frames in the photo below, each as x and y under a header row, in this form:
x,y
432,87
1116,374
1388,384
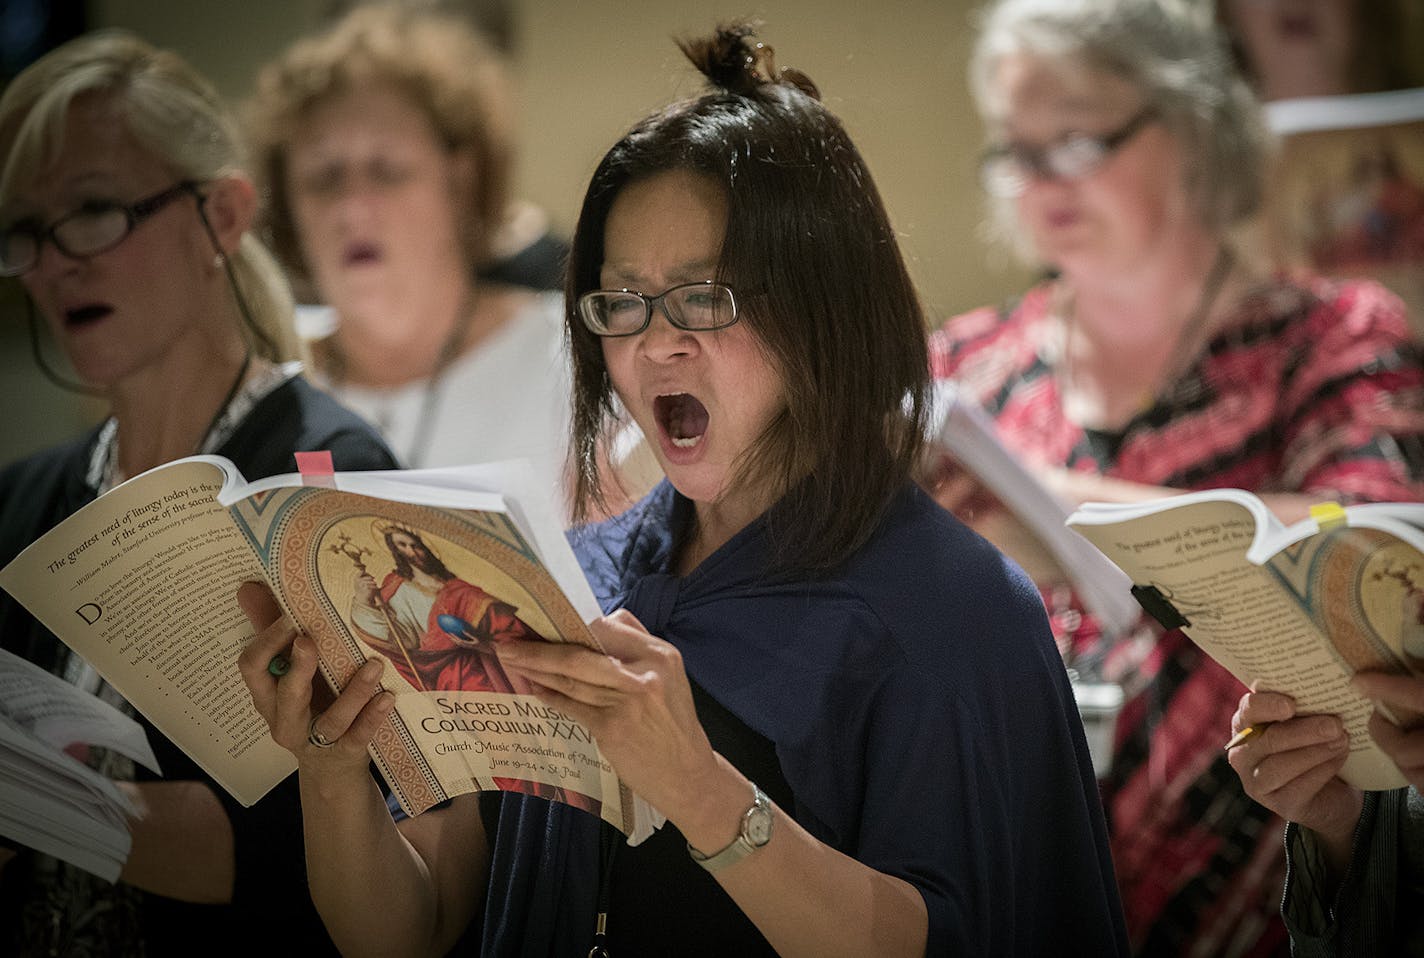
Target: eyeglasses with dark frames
x,y
94,228
695,307
1005,171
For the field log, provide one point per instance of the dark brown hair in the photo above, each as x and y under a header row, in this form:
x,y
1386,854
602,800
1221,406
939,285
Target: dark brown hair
x,y
404,568
834,307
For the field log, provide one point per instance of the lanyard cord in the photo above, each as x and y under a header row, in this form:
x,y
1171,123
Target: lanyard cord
x,y
607,849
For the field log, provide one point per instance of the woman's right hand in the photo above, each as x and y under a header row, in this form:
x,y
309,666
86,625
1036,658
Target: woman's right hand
x,y
296,706
1291,765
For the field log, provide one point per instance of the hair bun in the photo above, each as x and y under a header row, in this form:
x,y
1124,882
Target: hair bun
x,y
733,60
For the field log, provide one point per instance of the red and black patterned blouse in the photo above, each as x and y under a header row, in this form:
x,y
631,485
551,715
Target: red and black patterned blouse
x,y
1311,386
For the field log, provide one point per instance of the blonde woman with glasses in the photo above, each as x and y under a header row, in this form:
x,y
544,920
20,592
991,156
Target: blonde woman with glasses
x,y
125,216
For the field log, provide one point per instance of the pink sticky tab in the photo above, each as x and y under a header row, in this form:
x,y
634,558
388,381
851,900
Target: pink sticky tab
x,y
316,468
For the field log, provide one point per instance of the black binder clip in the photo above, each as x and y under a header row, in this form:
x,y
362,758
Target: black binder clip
x,y
1157,605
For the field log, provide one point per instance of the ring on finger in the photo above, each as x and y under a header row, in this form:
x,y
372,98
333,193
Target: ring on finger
x,y
315,737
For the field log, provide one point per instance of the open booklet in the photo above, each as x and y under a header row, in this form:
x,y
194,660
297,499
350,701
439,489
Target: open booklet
x,y
1298,608
50,800
1033,535
426,569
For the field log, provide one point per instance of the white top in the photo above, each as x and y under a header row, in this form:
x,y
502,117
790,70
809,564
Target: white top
x,y
508,398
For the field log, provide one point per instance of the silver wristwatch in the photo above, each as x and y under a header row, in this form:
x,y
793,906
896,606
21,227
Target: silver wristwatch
x,y
755,832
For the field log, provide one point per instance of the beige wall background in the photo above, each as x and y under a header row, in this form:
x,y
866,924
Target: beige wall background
x,y
893,71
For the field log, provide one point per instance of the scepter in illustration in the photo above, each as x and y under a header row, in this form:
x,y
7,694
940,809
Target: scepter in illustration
x,y
356,553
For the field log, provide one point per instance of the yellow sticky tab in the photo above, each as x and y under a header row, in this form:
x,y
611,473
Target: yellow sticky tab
x,y
1327,515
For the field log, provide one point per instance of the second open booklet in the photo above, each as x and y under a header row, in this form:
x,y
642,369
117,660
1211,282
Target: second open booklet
x,y
427,569
1298,609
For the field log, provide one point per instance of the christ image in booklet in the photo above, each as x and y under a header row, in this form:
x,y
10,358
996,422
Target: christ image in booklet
x,y
436,629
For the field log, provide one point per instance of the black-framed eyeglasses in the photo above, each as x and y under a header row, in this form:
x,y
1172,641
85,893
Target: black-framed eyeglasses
x,y
94,228
1005,171
696,307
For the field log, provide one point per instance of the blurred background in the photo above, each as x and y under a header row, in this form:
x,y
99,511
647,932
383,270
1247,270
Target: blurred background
x,y
585,70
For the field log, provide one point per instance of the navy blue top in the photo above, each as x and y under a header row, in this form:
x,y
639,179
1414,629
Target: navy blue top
x,y
915,705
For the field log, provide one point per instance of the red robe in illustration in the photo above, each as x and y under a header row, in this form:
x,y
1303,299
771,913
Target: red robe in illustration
x,y
455,650
441,661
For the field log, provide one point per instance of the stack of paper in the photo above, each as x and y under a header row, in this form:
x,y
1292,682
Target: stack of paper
x,y
49,800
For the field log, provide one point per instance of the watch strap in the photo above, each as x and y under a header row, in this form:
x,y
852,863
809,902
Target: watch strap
x,y
745,843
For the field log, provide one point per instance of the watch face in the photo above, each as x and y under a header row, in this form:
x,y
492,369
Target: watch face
x,y
758,830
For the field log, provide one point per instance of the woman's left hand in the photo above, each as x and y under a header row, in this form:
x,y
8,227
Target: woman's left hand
x,y
636,701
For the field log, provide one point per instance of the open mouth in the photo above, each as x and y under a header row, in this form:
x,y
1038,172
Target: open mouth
x,y
361,254
81,316
1296,26
682,417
